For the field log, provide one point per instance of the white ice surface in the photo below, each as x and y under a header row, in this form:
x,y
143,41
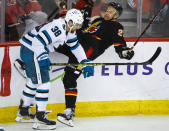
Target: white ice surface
x,y
115,123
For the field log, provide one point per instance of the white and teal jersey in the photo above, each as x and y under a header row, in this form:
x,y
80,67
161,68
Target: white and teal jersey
x,y
52,33
44,37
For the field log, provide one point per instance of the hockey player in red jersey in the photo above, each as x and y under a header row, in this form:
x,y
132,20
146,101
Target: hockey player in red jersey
x,y
95,40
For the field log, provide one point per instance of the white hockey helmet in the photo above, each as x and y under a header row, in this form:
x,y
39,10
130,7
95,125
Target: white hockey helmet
x,y
75,16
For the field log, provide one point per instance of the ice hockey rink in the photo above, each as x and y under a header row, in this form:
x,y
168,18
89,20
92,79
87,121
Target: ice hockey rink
x,y
129,97
114,123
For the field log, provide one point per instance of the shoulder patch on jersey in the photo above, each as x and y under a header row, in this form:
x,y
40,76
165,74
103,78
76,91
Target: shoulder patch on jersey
x,y
64,26
120,32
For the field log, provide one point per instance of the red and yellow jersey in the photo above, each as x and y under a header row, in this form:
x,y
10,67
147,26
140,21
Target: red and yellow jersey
x,y
101,35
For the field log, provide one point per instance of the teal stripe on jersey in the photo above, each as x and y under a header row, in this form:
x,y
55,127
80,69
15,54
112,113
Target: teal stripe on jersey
x,y
41,39
72,40
31,34
47,36
27,41
74,47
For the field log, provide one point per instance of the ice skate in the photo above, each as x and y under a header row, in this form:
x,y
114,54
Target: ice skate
x,y
42,122
67,117
24,115
1,128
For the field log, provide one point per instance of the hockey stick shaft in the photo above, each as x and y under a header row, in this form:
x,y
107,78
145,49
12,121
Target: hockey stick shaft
x,y
54,12
146,28
150,61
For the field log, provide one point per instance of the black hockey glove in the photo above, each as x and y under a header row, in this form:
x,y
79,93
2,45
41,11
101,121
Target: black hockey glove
x,y
86,11
126,53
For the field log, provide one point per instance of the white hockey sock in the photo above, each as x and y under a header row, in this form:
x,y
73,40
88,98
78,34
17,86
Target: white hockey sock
x,y
41,97
29,93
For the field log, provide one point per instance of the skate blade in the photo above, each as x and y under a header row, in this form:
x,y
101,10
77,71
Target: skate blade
x,y
64,121
24,120
2,129
40,126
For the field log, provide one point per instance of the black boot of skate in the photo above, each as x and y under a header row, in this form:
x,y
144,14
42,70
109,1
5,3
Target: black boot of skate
x,y
1,129
67,117
24,112
42,122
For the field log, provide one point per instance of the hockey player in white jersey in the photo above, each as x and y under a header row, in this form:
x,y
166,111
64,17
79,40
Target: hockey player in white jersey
x,y
34,52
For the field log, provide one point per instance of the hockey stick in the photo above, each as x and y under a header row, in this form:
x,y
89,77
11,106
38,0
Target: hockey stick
x,y
19,66
151,21
13,25
150,61
53,14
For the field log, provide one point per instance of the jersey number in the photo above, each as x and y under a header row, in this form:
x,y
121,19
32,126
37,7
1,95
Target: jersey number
x,y
56,31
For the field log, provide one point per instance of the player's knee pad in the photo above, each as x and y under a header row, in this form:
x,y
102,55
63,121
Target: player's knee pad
x,y
70,77
42,78
32,68
42,94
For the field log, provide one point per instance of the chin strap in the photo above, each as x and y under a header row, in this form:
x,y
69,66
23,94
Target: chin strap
x,y
70,27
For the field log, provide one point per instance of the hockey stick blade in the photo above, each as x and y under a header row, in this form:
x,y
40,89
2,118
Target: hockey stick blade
x,y
150,61
154,57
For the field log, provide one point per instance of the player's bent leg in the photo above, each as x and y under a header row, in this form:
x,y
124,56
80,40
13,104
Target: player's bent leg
x,y
70,84
41,120
26,103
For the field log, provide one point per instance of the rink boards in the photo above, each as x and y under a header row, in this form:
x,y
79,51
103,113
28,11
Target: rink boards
x,y
113,90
